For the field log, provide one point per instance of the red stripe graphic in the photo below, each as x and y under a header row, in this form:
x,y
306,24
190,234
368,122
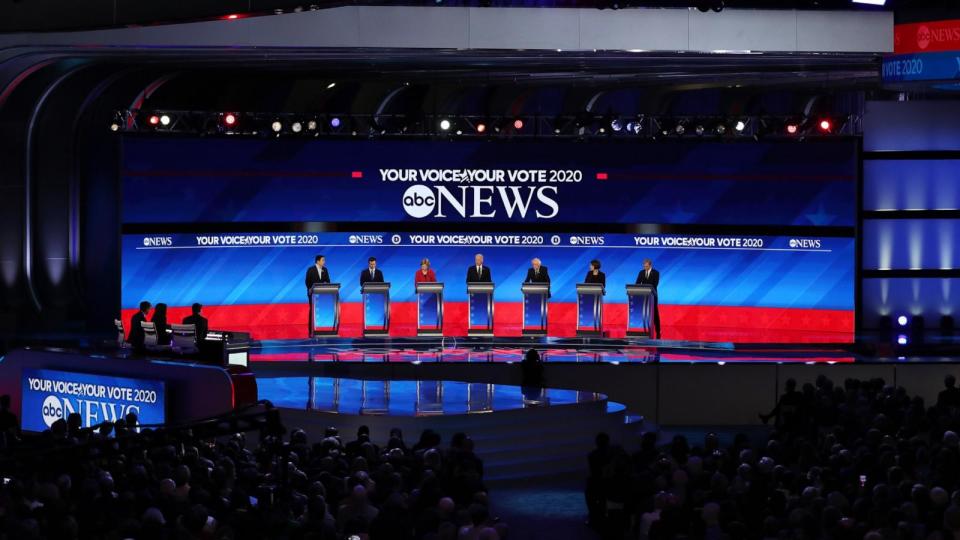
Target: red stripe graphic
x,y
679,322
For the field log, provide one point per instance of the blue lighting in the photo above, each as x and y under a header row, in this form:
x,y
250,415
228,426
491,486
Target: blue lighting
x,y
335,122
902,320
901,339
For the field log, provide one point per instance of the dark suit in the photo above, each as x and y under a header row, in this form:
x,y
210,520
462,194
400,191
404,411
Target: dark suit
x,y
483,277
314,277
653,280
600,278
376,277
200,323
136,331
163,338
538,276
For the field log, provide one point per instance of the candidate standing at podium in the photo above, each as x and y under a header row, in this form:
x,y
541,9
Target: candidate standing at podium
x,y
650,276
371,273
315,274
537,273
425,274
478,273
594,275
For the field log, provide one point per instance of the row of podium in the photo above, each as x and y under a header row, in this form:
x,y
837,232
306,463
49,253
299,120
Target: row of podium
x,y
325,309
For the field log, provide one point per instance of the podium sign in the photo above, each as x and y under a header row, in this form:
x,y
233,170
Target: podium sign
x,y
325,309
639,309
481,309
589,309
376,309
535,308
429,309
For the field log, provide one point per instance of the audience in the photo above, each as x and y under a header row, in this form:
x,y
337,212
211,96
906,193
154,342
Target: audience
x,y
173,484
859,461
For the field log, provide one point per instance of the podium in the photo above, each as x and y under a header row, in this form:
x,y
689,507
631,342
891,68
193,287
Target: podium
x,y
535,308
376,308
589,309
429,309
325,309
480,299
640,300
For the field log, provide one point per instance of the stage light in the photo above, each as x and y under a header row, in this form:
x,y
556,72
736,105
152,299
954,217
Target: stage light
x,y
334,122
720,129
902,320
825,125
153,120
680,129
518,124
312,125
165,120
232,17
297,127
699,130
740,126
331,85
792,128
633,127
871,2
481,127
276,126
445,124
114,127
901,339
616,125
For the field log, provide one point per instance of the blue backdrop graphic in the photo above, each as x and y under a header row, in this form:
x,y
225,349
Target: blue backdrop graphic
x,y
217,180
267,268
50,395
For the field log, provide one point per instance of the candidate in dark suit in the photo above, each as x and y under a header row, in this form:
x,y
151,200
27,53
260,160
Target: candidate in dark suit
x,y
197,320
371,273
135,337
315,274
159,321
650,276
594,275
478,273
537,273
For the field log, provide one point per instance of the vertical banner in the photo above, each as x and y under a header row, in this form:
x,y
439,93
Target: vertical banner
x,y
325,312
375,310
587,311
534,311
429,310
479,310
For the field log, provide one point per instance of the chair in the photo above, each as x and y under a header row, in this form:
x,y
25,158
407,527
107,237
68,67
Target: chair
x,y
184,338
150,341
121,335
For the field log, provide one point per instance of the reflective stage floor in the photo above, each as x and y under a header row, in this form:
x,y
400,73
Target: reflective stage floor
x,y
409,398
552,350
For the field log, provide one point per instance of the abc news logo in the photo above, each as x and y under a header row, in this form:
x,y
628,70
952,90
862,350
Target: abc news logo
x,y
157,241
805,243
481,201
52,410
